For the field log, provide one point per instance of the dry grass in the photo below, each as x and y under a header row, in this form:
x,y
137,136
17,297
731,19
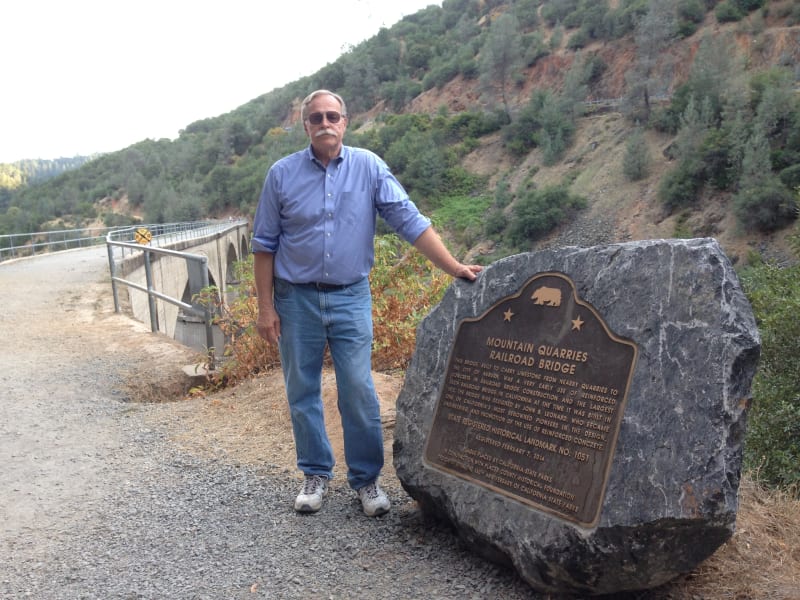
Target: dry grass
x,y
761,560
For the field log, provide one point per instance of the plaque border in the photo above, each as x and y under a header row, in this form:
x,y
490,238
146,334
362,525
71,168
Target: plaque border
x,y
612,444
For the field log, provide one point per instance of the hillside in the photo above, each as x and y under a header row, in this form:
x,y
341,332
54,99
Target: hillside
x,y
620,210
436,64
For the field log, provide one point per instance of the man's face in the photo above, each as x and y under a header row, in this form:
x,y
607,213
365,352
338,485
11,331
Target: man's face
x,y
326,137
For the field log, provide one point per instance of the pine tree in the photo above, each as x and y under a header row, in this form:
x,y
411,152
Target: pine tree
x,y
502,57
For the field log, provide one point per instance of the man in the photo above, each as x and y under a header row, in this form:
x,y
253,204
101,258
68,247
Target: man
x,y
313,241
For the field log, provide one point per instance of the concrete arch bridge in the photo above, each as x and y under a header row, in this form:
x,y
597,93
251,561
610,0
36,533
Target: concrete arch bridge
x,y
157,270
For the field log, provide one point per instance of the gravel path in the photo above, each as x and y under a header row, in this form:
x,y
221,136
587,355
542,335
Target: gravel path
x,y
97,502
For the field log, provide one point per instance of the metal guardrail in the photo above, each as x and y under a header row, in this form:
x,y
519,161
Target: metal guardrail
x,y
163,235
19,245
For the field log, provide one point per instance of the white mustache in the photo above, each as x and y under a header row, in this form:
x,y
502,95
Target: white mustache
x,y
324,132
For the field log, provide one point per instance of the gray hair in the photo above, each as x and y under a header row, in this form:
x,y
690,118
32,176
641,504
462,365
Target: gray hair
x,y
314,94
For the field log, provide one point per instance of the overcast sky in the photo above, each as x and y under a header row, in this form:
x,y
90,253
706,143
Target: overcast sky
x,y
86,76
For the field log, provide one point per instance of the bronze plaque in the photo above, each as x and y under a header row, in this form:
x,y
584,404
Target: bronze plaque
x,y
533,399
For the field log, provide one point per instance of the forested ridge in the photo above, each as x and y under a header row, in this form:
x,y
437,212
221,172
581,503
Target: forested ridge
x,y
436,86
26,172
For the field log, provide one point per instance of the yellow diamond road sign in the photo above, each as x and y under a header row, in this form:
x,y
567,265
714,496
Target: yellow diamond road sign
x,y
143,235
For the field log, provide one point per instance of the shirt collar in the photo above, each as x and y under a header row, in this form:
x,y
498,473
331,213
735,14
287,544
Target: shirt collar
x,y
342,155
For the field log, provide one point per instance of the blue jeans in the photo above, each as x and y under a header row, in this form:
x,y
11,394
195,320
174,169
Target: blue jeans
x,y
342,319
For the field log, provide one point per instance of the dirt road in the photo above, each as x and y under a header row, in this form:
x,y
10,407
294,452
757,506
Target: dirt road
x,y
52,391
65,356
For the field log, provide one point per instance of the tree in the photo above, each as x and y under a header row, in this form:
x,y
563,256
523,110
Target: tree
x,y
756,167
636,162
715,75
501,57
527,11
576,88
654,32
777,104
762,202
360,81
386,56
555,11
558,127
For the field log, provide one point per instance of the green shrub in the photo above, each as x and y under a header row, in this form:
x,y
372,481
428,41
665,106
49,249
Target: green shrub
x,y
554,12
682,229
502,193
794,16
622,20
441,74
691,10
462,216
471,125
682,186
594,68
527,12
715,152
458,181
579,39
747,6
546,122
495,224
790,176
540,211
727,12
772,446
766,207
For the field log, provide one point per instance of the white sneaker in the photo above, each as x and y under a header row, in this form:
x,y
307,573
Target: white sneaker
x,y
309,500
374,500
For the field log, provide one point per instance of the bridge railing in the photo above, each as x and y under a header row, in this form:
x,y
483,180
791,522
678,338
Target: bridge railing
x,y
18,245
119,241
162,235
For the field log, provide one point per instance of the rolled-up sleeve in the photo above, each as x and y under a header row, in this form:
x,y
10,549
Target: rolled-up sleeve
x,y
267,223
397,209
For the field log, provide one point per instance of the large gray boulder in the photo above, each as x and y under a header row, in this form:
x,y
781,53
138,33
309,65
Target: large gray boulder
x,y
668,494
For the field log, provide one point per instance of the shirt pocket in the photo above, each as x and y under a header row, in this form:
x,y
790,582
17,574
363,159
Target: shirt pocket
x,y
354,207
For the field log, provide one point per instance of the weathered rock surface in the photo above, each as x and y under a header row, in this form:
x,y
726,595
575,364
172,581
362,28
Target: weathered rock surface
x,y
671,495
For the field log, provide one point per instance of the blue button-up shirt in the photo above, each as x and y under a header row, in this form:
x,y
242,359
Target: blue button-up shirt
x,y
320,222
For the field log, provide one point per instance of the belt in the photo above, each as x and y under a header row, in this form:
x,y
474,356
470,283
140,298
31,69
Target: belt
x,y
323,287
326,287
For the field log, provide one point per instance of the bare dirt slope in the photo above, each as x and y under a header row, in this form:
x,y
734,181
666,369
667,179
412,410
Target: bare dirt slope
x,y
619,210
